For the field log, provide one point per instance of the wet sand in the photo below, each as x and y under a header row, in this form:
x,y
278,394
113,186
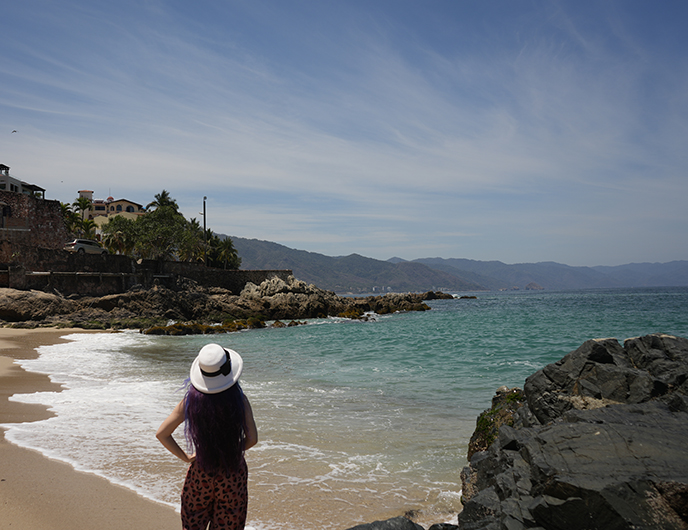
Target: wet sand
x,y
43,494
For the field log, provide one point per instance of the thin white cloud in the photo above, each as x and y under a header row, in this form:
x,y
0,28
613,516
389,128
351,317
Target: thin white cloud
x,y
371,136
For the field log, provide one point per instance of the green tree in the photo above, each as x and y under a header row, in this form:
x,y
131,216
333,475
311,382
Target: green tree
x,y
164,234
227,254
191,246
163,199
211,244
221,252
159,234
71,218
88,229
119,235
81,206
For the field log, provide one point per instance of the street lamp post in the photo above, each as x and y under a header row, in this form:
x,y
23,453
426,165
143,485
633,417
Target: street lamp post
x,y
205,236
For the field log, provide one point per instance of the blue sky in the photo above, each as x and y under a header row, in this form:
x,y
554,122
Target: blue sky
x,y
518,131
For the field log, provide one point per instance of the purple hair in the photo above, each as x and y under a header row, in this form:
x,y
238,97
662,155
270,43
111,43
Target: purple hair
x,y
215,428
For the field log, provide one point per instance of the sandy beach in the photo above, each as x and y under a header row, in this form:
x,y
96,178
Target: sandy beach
x,y
44,494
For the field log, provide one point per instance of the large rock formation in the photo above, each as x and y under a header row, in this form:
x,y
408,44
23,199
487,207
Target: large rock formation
x,y
271,300
601,442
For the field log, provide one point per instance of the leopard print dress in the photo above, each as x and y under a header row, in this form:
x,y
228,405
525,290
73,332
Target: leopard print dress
x,y
217,498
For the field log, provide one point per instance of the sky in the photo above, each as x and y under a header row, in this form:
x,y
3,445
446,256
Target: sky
x,y
518,131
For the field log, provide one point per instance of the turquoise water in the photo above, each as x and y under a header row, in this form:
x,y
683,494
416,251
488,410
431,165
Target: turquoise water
x,y
357,420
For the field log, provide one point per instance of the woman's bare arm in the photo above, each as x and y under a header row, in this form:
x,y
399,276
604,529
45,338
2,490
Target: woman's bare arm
x,y
166,429
251,429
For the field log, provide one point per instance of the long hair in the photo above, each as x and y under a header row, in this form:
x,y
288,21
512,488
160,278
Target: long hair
x,y
215,428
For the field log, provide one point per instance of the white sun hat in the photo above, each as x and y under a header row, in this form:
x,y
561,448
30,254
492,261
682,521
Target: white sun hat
x,y
215,369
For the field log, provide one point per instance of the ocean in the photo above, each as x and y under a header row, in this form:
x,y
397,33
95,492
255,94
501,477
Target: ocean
x,y
358,420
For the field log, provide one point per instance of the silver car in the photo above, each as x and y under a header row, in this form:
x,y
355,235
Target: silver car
x,y
85,246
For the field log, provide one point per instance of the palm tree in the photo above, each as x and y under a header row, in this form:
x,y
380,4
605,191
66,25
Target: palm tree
x,y
114,242
119,235
191,246
70,217
82,205
65,209
89,229
227,254
163,199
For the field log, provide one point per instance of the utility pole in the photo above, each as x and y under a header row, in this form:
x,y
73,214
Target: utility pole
x,y
205,236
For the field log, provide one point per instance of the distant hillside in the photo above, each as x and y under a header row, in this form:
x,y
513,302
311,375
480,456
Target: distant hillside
x,y
358,274
674,273
348,274
550,275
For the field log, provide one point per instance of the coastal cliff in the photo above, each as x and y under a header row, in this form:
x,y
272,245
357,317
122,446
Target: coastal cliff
x,y
598,442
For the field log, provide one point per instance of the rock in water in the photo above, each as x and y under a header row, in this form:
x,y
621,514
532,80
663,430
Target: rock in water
x,y
602,442
396,523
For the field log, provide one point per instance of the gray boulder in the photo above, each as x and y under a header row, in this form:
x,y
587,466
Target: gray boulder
x,y
16,305
600,443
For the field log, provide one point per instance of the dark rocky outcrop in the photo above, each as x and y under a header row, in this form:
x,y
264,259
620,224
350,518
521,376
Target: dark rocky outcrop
x,y
505,403
273,299
601,442
401,523
396,523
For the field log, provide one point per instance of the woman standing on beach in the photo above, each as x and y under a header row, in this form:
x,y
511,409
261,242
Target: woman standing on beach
x,y
220,427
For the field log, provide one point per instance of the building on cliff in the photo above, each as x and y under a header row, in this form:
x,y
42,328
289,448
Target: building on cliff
x,y
28,219
102,210
33,234
14,185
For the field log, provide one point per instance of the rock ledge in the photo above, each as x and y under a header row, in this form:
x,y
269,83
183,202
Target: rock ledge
x,y
273,299
600,442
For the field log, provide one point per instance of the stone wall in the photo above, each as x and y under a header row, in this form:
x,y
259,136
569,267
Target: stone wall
x,y
29,222
233,281
98,275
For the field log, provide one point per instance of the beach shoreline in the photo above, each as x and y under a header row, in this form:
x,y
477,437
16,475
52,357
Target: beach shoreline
x,y
39,491
44,494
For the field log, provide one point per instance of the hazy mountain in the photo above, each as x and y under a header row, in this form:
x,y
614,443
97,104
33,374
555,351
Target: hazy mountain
x,y
674,273
359,274
352,273
550,275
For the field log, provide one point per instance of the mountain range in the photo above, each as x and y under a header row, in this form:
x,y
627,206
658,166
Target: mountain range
x,y
358,274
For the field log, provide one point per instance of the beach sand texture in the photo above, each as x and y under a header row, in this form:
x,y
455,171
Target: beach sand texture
x,y
43,494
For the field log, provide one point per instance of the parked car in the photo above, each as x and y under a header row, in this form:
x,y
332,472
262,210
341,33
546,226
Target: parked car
x,y
85,246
